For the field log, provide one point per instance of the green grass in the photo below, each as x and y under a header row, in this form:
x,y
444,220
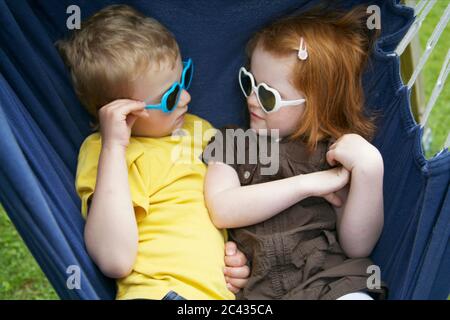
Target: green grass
x,y
439,120
21,277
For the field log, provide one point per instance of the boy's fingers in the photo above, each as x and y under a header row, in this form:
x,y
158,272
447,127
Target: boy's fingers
x,y
240,272
122,107
131,119
238,260
126,105
232,288
237,283
230,248
140,113
114,103
131,106
119,103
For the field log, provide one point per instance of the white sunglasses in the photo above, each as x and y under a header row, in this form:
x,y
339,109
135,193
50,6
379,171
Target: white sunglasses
x,y
268,98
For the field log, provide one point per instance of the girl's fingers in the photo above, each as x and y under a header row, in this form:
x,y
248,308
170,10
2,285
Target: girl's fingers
x,y
331,157
333,146
344,172
333,199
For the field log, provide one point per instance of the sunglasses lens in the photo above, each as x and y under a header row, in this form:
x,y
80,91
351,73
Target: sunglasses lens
x,y
267,98
172,99
246,83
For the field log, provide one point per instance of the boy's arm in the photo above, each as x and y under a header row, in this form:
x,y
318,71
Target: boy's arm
x,y
111,230
111,234
232,205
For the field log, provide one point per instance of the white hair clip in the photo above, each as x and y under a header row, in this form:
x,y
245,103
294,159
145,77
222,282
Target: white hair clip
x,y
302,52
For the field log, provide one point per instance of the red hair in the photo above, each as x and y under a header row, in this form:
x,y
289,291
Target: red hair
x,y
338,45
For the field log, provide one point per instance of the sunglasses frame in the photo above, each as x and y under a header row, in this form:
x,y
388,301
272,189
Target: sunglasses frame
x,y
181,86
279,103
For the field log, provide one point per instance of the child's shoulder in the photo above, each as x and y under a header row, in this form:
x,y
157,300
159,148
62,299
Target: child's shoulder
x,y
92,145
91,142
190,119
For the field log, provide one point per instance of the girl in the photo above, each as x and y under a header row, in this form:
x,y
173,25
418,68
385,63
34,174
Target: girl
x,y
308,229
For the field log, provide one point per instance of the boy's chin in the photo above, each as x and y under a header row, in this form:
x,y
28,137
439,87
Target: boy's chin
x,y
179,123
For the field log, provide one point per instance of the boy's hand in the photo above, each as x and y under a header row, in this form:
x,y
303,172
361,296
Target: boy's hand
x,y
236,270
117,119
352,150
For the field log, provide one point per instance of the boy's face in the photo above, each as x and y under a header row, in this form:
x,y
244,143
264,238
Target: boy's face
x,y
150,87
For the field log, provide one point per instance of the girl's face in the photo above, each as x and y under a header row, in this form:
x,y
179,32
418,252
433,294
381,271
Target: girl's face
x,y
275,72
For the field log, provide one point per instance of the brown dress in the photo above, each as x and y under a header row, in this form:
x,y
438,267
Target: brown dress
x,y
295,254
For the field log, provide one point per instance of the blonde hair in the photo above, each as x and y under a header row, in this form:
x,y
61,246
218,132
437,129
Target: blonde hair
x,y
111,50
338,45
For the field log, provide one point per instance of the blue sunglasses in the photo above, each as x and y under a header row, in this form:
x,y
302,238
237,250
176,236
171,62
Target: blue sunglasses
x,y
170,99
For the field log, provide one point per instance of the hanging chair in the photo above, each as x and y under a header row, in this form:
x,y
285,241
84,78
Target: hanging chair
x,y
42,126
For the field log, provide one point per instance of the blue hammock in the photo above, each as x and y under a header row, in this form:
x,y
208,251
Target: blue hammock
x,y
42,125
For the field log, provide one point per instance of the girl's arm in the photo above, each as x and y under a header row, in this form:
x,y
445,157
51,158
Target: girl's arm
x,y
360,219
232,205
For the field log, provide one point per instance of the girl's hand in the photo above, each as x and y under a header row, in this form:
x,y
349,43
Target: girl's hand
x,y
236,270
117,119
352,150
326,183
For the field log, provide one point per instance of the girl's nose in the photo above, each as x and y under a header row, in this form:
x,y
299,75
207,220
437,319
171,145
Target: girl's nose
x,y
252,101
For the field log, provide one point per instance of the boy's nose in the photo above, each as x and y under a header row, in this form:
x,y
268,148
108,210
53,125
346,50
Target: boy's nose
x,y
185,98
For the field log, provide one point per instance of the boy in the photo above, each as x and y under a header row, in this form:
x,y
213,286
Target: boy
x,y
146,223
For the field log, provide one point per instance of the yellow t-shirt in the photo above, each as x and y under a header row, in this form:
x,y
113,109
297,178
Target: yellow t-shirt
x,y
179,247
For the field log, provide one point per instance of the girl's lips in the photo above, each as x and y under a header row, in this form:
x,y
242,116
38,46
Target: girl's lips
x,y
256,116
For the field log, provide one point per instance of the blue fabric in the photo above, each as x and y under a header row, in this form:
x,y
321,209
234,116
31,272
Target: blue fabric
x,y
42,126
